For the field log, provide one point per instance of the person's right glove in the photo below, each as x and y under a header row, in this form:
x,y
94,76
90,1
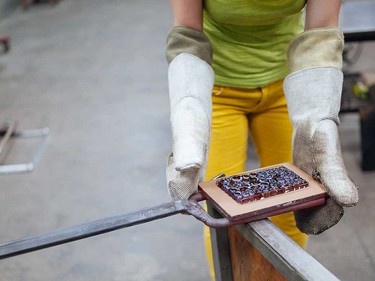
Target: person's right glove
x,y
313,93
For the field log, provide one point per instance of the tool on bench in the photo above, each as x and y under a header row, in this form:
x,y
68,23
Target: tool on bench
x,y
233,213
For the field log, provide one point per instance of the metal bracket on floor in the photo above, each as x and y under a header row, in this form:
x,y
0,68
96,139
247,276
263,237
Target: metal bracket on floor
x,y
8,131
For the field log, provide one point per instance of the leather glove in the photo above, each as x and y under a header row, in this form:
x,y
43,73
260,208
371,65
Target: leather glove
x,y
190,88
313,93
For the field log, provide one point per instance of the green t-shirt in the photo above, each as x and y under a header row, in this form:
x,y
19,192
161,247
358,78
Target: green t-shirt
x,y
250,39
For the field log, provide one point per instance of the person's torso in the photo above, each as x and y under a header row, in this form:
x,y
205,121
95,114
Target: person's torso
x,y
250,39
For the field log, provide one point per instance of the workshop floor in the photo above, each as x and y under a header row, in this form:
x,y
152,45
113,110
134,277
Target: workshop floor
x,y
94,72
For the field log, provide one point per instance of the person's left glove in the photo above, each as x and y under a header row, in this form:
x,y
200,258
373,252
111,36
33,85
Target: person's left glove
x,y
190,88
313,93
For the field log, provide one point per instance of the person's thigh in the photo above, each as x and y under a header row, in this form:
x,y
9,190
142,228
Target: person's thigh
x,y
229,135
270,128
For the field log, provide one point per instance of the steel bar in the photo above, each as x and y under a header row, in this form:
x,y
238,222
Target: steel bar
x,y
98,227
193,208
283,253
89,229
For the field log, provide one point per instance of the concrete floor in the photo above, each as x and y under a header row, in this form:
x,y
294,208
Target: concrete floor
x,y
94,72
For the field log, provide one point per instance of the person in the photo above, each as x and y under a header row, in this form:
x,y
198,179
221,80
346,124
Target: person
x,y
255,66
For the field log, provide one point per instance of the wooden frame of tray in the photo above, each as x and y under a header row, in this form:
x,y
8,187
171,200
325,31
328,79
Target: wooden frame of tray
x,y
312,195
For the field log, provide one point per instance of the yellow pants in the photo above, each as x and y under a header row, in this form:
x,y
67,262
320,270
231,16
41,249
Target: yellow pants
x,y
263,113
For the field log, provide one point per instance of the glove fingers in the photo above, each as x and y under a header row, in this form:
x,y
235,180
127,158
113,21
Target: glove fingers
x,y
182,184
316,220
331,169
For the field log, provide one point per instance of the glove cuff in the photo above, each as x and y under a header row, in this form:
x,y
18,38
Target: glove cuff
x,y
313,89
187,40
321,47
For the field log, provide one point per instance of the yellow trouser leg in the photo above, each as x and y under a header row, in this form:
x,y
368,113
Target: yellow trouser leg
x,y
264,112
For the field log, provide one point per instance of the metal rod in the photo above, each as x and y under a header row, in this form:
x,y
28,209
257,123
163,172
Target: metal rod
x,y
82,231
98,227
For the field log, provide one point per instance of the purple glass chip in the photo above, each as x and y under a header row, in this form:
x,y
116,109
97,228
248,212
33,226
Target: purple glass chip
x,y
258,185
